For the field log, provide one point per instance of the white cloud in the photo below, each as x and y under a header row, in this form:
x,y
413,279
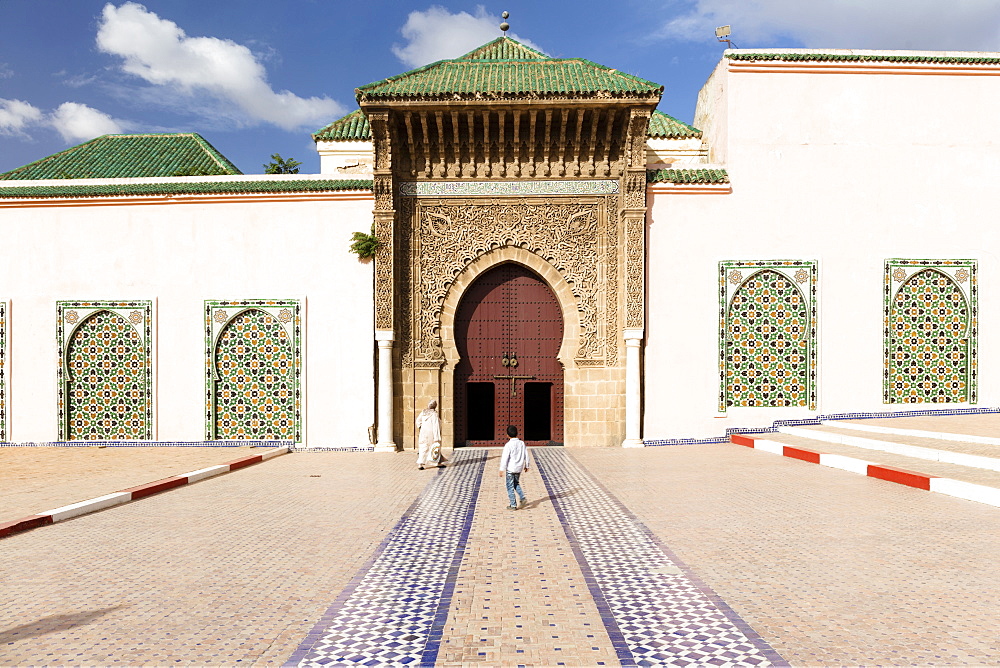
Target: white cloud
x,y
16,115
159,51
969,25
77,122
436,34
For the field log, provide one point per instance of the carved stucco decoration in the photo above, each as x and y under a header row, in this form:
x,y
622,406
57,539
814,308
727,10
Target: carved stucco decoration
x,y
578,238
382,189
633,203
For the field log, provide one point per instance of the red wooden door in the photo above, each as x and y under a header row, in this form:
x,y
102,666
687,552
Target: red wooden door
x,y
508,330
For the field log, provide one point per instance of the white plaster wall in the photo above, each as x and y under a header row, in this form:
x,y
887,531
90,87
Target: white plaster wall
x,y
346,159
179,255
845,169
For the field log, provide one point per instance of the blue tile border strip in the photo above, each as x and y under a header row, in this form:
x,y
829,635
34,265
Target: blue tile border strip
x,y
151,444
622,650
813,421
656,610
394,610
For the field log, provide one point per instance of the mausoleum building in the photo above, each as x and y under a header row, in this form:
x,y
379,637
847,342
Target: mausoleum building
x,y
554,251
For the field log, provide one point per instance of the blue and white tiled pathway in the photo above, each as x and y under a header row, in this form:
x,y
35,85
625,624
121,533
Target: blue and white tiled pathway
x,y
393,612
656,611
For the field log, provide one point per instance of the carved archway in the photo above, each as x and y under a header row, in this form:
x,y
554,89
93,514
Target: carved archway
x,y
559,286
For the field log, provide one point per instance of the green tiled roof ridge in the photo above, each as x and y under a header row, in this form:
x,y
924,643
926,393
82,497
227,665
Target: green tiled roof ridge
x,y
710,176
851,57
186,188
128,155
481,77
503,48
663,125
352,127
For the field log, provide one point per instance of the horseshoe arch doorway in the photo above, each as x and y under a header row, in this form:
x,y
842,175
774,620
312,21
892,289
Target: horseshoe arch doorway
x,y
508,330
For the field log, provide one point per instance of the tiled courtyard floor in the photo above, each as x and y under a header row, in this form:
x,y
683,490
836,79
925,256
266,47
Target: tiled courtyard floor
x,y
36,479
719,551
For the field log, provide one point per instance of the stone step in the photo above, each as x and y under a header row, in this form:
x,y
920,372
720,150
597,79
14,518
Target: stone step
x,y
953,428
973,484
974,455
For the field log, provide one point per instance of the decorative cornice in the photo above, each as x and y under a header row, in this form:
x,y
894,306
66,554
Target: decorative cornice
x,y
104,194
863,63
901,57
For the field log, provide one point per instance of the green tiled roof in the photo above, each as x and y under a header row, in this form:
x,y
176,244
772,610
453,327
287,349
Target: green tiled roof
x,y
352,127
129,156
506,68
663,125
687,176
874,58
503,49
186,188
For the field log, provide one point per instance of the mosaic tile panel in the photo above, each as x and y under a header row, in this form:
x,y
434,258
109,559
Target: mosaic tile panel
x,y
506,188
253,369
394,611
655,609
767,318
930,331
105,370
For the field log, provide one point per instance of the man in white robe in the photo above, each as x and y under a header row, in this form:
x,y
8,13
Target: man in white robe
x,y
429,438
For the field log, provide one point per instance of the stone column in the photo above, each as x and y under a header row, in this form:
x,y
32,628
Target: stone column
x,y
385,442
633,389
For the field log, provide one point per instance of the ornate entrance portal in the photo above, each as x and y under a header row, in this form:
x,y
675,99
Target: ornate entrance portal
x,y
508,330
508,156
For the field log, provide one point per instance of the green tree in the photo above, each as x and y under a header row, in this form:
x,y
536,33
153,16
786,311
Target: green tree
x,y
279,165
365,245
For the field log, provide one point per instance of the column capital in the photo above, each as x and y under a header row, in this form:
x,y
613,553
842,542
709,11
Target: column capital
x,y
385,335
633,333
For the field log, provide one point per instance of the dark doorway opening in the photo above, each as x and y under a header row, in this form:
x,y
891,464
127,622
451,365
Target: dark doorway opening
x,y
479,416
538,411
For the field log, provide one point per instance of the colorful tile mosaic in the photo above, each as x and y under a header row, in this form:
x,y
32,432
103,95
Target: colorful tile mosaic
x,y
930,331
253,369
105,370
502,188
394,610
655,609
157,444
767,334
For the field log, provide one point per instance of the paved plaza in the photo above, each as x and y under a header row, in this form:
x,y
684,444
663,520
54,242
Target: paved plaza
x,y
684,555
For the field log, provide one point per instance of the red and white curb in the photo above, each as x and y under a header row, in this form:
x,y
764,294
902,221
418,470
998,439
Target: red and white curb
x,y
131,494
957,488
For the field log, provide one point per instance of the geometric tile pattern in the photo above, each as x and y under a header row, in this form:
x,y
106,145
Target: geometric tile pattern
x,y
105,370
499,188
655,609
394,610
930,331
768,334
253,370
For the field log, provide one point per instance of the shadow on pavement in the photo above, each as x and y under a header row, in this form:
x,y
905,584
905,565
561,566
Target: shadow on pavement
x,y
53,624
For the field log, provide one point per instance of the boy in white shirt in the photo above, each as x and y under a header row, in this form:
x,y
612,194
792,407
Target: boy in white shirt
x,y
513,462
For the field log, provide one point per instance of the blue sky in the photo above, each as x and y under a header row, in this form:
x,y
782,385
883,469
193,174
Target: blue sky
x,y
256,78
